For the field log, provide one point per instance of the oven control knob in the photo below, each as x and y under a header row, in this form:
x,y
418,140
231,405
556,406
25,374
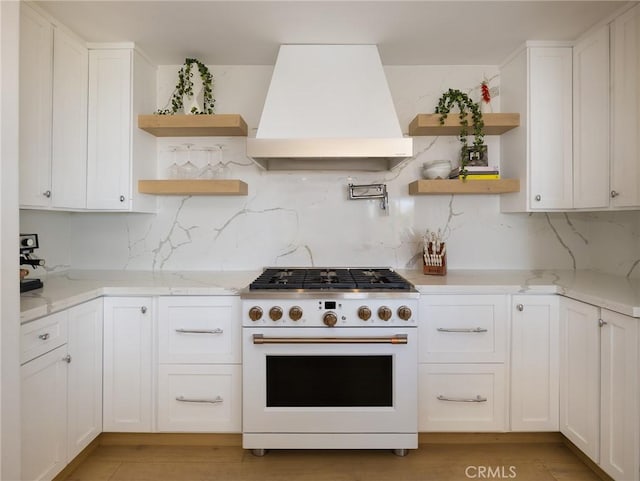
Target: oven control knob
x,y
384,313
295,313
364,313
255,313
275,313
330,319
404,313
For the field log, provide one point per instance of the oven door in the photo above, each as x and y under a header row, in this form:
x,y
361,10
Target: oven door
x,y
319,380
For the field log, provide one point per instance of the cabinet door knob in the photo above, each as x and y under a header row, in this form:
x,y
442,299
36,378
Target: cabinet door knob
x,y
143,309
602,322
44,336
67,358
538,198
122,198
614,194
47,193
520,307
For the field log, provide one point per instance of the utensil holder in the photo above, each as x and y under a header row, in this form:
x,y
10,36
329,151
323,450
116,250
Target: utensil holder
x,y
440,267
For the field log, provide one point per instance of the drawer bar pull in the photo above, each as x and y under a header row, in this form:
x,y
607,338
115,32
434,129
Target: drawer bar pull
x,y
183,399
44,336
477,399
462,329
200,331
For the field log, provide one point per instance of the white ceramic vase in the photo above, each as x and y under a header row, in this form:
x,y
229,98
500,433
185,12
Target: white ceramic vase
x,y
197,99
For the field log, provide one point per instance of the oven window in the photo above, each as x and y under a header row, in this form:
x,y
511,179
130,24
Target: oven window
x,y
329,381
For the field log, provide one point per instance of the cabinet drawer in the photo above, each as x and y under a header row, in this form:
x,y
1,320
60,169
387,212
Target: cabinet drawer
x,y
199,330
199,397
463,328
42,335
461,397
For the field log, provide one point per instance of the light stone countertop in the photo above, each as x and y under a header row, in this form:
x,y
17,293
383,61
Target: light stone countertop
x,y
74,287
70,288
616,293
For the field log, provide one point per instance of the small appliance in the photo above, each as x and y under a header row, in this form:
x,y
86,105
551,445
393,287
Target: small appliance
x,y
28,243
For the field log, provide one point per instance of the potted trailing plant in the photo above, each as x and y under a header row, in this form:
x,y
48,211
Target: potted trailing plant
x,y
188,91
455,98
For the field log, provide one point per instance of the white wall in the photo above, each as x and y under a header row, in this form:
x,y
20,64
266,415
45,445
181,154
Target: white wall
x,y
305,218
9,291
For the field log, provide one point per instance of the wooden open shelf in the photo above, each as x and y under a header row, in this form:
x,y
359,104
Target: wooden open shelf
x,y
217,125
429,124
458,186
193,187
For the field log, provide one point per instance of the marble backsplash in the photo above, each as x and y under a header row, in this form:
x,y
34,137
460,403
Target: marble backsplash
x,y
305,218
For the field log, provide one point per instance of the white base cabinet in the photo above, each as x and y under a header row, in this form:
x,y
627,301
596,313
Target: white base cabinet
x,y
84,402
462,354
462,397
199,371
61,388
534,363
600,391
620,397
199,397
128,341
580,375
44,413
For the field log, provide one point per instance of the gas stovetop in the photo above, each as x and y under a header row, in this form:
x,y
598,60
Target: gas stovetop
x,y
331,279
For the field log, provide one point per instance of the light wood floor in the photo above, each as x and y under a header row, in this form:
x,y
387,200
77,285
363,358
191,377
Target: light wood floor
x,y
520,461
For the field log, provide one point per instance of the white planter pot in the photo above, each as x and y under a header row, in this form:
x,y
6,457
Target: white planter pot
x,y
197,99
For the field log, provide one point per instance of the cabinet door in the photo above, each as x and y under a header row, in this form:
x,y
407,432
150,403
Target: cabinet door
x,y
625,131
591,120
201,329
109,130
580,375
127,401
44,414
534,363
619,434
84,414
69,142
36,43
550,128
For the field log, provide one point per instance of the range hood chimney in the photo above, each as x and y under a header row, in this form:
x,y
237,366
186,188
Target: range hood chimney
x,y
329,108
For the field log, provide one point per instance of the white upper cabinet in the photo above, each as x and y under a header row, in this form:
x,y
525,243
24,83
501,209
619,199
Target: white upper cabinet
x,y
625,118
584,156
121,86
537,82
36,44
591,121
69,142
53,114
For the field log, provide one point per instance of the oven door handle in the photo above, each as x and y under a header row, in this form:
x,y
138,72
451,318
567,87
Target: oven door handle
x,y
395,339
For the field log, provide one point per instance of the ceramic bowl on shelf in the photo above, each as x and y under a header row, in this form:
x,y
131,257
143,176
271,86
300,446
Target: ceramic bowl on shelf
x,y
436,169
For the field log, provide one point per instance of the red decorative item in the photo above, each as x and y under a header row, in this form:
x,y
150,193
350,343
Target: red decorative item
x,y
486,96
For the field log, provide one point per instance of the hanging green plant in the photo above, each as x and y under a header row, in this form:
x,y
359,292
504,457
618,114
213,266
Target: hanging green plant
x,y
455,98
184,87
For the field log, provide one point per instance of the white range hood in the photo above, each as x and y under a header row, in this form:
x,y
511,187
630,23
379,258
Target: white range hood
x,y
329,108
